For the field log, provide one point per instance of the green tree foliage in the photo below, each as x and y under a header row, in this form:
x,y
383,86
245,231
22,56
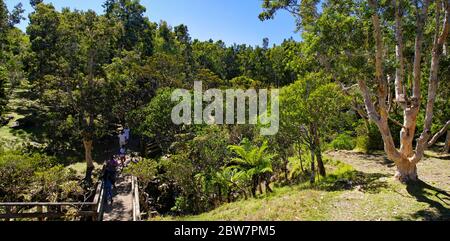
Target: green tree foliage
x,y
380,45
195,165
10,43
3,97
137,31
16,15
308,109
144,170
68,52
166,40
343,141
157,123
34,3
43,33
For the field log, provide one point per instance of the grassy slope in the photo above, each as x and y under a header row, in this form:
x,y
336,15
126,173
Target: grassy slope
x,y
18,108
374,195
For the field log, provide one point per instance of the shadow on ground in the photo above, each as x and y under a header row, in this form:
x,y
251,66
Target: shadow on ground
x,y
438,199
364,182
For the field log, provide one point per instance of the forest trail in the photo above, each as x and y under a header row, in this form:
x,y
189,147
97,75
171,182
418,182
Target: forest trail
x,y
122,207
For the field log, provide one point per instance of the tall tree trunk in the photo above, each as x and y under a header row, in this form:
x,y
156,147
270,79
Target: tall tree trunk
x,y
260,180
313,169
285,168
406,171
447,142
88,146
267,182
320,165
317,150
300,156
254,185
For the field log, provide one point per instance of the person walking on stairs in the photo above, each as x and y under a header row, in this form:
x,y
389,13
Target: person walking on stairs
x,y
109,178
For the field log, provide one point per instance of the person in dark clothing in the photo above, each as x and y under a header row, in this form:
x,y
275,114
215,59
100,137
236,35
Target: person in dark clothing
x,y
109,178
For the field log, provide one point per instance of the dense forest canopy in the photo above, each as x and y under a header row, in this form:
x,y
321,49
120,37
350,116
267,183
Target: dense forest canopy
x,y
370,75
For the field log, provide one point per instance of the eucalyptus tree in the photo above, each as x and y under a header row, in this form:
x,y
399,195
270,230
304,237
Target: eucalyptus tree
x,y
384,59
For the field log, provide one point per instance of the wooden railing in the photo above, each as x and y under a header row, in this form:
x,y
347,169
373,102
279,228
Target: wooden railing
x,y
45,210
135,193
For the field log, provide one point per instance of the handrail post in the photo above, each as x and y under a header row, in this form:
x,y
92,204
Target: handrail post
x,y
135,195
8,212
98,199
39,209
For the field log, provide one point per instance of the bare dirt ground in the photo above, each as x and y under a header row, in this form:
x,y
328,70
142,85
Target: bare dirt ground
x,y
428,199
431,170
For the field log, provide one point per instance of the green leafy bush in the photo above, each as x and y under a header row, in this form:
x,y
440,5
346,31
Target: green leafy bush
x,y
343,142
145,170
56,184
35,177
368,139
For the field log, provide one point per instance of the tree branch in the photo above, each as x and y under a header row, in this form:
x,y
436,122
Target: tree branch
x,y
379,75
400,70
397,123
370,107
439,134
417,69
439,40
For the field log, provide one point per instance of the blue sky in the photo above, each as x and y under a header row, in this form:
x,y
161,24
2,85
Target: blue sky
x,y
233,21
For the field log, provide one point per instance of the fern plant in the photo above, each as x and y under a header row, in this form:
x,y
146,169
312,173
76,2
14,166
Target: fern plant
x,y
252,161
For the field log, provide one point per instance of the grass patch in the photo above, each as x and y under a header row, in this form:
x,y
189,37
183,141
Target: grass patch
x,y
345,194
80,168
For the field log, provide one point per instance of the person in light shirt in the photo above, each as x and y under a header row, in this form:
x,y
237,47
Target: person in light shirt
x,y
126,132
122,139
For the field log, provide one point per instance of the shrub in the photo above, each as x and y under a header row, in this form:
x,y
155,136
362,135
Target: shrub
x,y
145,171
370,139
25,177
343,142
55,184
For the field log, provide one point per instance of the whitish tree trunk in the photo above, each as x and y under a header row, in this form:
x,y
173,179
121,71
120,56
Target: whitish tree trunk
x,y
406,158
88,153
406,171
